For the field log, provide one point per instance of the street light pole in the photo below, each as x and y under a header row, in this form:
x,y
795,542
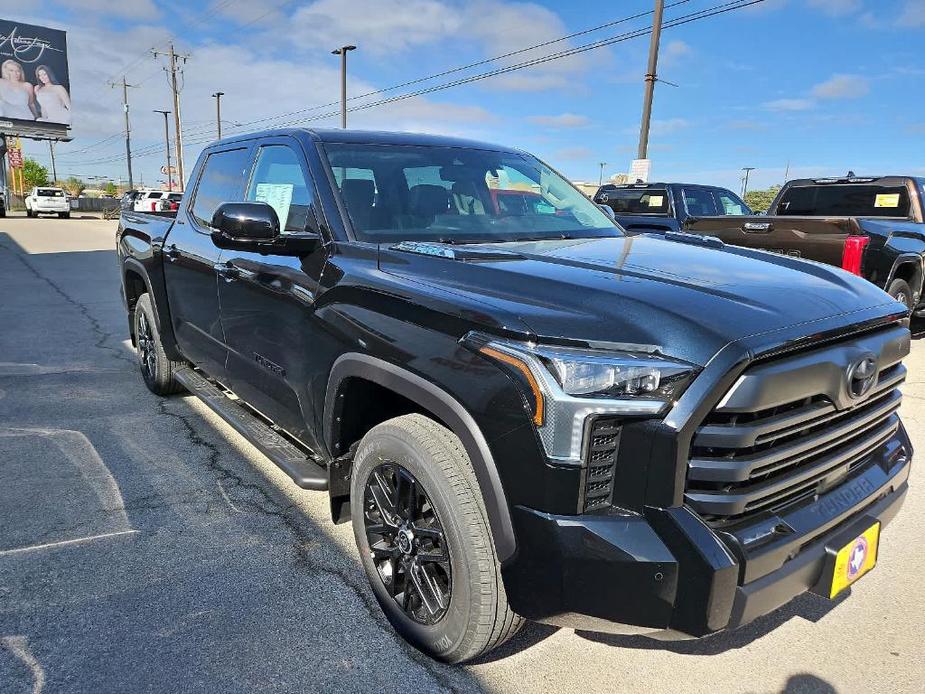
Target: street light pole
x,y
342,52
746,169
167,147
218,112
651,78
600,180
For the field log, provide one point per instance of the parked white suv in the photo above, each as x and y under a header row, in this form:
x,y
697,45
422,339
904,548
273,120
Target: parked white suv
x,y
148,200
44,200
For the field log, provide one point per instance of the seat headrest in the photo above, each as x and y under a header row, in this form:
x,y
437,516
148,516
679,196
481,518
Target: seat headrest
x,y
428,200
358,192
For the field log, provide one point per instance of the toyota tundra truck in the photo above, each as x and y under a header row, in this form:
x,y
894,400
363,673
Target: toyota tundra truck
x,y
525,413
872,226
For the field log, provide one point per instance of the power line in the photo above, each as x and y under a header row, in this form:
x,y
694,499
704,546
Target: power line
x,y
679,21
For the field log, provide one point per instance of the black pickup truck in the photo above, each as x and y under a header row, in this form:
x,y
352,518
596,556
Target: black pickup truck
x,y
870,226
659,207
525,413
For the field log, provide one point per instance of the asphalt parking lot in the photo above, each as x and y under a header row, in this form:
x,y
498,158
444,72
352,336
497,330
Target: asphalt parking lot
x,y
145,547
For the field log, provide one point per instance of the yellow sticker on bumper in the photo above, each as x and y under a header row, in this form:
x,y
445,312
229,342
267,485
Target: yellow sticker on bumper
x,y
855,559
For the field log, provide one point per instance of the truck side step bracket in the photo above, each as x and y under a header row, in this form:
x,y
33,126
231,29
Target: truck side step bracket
x,y
295,462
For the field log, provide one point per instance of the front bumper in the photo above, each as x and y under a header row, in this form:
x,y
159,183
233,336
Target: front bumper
x,y
666,573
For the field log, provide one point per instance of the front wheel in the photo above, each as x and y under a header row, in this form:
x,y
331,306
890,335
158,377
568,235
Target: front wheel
x,y
64,215
902,292
423,536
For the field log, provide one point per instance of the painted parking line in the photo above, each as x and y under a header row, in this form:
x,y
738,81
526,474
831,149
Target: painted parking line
x,y
62,543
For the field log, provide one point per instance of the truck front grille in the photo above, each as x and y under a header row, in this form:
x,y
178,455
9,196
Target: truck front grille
x,y
600,463
745,462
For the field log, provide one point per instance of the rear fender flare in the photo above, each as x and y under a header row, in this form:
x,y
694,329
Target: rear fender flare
x,y
449,411
918,278
164,326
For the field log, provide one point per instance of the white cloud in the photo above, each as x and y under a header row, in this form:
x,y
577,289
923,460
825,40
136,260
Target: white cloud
x,y
134,9
673,51
842,87
563,120
573,153
789,105
836,8
912,14
668,126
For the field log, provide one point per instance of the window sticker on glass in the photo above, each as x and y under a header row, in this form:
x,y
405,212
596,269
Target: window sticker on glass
x,y
656,200
886,200
278,196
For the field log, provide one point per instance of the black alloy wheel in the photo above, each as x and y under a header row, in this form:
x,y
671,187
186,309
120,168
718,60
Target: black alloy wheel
x,y
147,355
407,543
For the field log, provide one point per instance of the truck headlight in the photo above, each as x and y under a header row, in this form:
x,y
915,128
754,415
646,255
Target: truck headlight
x,y
569,385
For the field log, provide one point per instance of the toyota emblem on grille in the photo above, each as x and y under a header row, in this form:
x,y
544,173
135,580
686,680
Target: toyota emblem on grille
x,y
861,376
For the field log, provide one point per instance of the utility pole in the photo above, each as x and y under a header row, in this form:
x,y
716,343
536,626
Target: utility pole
x,y
54,170
218,112
600,180
128,130
651,78
173,57
167,148
746,169
342,52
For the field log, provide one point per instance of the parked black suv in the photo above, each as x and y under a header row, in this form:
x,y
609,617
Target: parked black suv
x,y
525,413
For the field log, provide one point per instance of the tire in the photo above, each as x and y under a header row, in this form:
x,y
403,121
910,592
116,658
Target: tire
x,y
29,213
64,215
475,616
902,292
156,369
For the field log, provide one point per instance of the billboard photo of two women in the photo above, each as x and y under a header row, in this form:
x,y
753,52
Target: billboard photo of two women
x,y
34,85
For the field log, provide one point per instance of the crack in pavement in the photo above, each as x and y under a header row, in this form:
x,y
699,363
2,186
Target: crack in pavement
x,y
102,335
298,530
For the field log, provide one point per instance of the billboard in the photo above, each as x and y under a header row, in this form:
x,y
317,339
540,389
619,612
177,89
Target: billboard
x,y
35,90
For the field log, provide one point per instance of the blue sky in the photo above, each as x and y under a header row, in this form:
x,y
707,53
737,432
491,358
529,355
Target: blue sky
x,y
824,85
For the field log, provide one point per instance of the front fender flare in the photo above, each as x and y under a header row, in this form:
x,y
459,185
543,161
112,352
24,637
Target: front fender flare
x,y
449,411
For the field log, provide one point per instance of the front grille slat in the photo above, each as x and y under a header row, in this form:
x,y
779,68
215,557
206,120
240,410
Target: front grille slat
x,y
744,467
744,462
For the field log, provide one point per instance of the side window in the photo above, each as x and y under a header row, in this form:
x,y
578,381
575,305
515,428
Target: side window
x,y
222,180
730,204
279,181
699,202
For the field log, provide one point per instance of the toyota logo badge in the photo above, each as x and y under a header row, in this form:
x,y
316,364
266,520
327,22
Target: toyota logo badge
x,y
862,375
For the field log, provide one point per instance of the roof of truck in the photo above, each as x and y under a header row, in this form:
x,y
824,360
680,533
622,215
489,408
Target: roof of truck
x,y
332,135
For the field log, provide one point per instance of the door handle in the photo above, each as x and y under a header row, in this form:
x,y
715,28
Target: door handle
x,y
171,252
230,272
757,227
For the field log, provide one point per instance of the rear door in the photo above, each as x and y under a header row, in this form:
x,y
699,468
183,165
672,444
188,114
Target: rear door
x,y
268,302
190,259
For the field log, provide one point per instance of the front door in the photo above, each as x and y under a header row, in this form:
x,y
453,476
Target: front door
x,y
268,302
190,258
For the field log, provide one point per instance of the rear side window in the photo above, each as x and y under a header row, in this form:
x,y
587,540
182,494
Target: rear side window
x,y
279,181
730,204
699,202
50,193
635,200
845,200
222,180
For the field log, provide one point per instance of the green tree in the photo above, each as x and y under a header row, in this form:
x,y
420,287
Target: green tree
x,y
75,186
33,174
760,200
110,188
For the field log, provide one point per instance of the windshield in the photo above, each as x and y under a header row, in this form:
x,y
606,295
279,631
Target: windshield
x,y
635,200
845,200
457,195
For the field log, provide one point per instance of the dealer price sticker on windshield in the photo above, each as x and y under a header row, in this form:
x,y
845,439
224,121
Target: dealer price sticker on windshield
x,y
278,196
887,200
855,559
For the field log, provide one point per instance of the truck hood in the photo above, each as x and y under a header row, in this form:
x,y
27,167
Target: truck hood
x,y
688,300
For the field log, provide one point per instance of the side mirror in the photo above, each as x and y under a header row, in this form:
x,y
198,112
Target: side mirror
x,y
608,210
246,222
254,227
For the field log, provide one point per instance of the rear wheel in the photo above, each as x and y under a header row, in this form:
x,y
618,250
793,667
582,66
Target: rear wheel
x,y
64,215
902,292
156,369
421,528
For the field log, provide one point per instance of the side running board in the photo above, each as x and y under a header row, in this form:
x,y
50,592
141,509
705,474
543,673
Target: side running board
x,y
291,459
